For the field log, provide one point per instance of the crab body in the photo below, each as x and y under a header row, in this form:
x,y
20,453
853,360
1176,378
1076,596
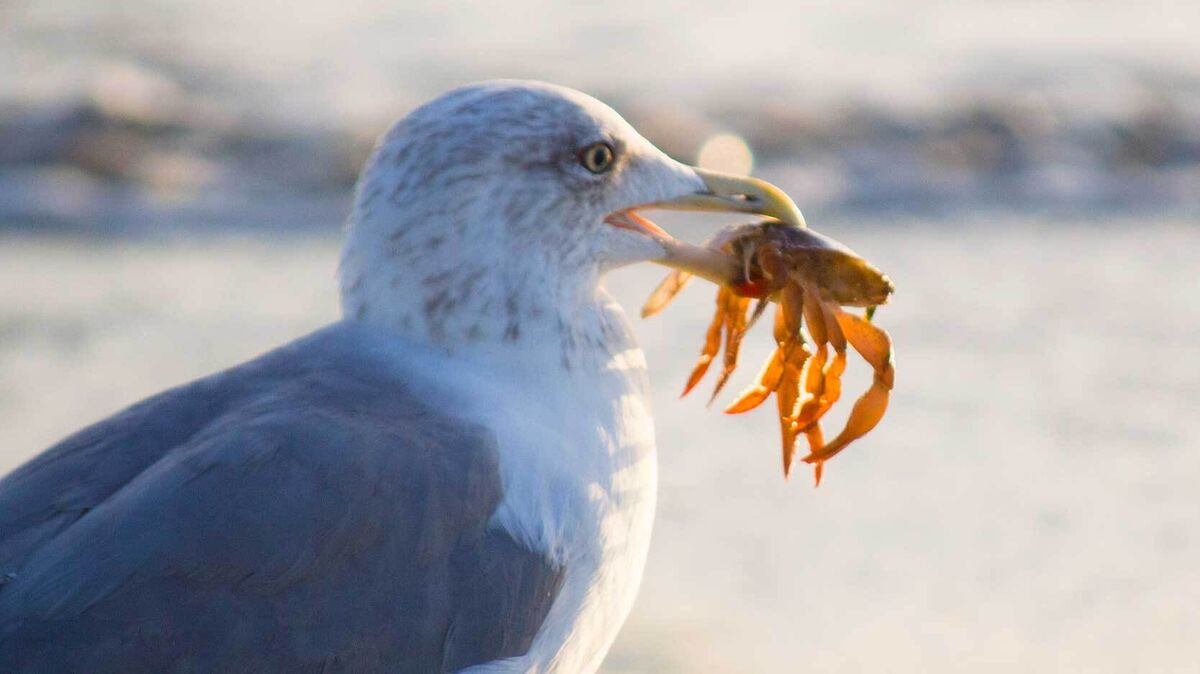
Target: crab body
x,y
810,278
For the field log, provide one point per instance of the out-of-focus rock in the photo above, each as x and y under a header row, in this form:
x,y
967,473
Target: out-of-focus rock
x,y
1156,137
107,152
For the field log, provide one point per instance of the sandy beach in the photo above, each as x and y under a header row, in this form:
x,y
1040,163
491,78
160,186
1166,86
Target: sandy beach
x,y
1028,504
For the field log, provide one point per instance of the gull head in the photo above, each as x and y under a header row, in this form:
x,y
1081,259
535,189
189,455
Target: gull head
x,y
500,203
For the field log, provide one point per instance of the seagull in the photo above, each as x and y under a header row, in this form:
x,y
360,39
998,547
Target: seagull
x,y
457,475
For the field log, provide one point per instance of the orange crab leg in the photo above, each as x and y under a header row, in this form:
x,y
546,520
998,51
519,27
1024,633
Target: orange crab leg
x,y
812,382
712,342
813,376
875,347
765,384
868,411
831,376
785,397
736,322
815,317
872,343
815,439
794,354
791,311
837,337
665,292
828,390
787,336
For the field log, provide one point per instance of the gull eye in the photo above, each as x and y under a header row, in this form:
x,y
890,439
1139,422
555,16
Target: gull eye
x,y
597,157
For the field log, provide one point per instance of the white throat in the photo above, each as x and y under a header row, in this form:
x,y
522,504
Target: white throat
x,y
565,392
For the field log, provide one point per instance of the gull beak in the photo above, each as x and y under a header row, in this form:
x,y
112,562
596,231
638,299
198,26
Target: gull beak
x,y
722,192
737,194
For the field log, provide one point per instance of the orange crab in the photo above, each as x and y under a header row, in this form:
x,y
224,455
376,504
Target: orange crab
x,y
810,277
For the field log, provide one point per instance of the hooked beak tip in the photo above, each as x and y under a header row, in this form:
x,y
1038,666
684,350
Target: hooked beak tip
x,y
729,193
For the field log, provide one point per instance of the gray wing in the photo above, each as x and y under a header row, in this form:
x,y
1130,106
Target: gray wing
x,y
305,511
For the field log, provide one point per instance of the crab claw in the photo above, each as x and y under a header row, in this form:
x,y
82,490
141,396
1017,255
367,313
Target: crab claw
x,y
868,411
875,347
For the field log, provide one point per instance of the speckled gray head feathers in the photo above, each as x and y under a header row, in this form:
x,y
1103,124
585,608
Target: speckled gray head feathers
x,y
475,217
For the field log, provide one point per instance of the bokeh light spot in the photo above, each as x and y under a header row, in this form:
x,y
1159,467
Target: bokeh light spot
x,y
726,152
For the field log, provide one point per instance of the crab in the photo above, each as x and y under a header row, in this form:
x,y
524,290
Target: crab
x,y
810,278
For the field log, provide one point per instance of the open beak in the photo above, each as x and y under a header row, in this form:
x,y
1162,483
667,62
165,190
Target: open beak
x,y
722,193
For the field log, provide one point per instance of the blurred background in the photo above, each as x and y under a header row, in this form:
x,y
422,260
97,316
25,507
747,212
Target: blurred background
x,y
173,177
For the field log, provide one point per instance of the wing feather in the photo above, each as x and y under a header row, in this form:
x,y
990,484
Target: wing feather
x,y
305,510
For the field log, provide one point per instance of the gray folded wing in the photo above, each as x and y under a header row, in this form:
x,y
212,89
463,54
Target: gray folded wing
x,y
305,511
